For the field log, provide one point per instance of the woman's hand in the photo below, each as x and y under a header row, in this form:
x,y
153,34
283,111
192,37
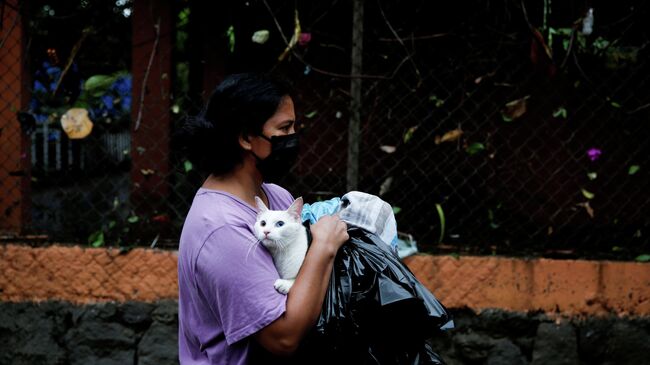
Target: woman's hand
x,y
330,232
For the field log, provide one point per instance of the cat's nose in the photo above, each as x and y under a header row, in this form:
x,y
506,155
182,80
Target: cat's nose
x,y
266,233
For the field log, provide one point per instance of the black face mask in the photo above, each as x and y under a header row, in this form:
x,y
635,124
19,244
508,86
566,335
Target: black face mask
x,y
284,152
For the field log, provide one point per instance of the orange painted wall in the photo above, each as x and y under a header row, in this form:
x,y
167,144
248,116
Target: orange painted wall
x,y
567,287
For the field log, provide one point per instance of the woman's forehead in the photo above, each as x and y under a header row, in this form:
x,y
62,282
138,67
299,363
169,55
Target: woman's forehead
x,y
284,113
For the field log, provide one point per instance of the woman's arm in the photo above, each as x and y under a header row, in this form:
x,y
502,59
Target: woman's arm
x,y
305,299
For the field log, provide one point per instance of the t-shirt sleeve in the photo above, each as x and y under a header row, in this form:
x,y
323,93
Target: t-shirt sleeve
x,y
235,274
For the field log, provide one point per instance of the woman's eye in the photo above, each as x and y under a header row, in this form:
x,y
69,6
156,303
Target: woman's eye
x,y
279,224
262,223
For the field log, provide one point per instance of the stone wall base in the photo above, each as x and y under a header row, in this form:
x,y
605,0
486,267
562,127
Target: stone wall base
x,y
57,333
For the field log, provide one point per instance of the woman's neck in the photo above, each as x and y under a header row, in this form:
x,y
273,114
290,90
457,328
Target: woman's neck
x,y
241,182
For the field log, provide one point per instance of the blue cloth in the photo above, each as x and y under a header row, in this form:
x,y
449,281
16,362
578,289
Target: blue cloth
x,y
312,212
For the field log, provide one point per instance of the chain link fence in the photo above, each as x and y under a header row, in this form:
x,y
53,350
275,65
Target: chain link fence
x,y
492,128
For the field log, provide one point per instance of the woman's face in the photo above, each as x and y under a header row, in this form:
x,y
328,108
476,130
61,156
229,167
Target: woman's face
x,y
281,123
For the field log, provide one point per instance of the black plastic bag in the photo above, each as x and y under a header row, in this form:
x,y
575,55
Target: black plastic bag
x,y
375,311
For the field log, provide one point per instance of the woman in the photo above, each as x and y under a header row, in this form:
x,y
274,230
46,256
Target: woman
x,y
227,303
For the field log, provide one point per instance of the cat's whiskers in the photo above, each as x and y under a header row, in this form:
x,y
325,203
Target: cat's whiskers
x,y
282,243
253,246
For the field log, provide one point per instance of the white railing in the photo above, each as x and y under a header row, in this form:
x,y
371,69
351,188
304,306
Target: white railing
x,y
56,154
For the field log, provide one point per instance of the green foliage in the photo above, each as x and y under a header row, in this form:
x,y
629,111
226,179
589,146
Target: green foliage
x,y
96,239
560,112
441,217
587,194
475,148
643,258
187,165
230,33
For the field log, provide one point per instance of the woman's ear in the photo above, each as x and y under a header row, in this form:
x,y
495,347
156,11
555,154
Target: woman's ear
x,y
245,142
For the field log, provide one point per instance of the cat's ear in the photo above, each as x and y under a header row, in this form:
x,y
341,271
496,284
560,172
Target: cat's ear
x,y
260,205
295,210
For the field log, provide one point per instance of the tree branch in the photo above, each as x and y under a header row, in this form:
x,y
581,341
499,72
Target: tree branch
x,y
73,54
146,74
313,68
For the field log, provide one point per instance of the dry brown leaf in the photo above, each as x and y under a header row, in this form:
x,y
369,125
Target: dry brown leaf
x,y
514,109
450,136
147,172
588,208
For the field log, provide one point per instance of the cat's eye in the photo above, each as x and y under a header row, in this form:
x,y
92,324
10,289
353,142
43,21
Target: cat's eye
x,y
262,223
279,224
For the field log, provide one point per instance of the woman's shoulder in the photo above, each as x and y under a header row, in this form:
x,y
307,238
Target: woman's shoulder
x,y
276,189
211,211
279,196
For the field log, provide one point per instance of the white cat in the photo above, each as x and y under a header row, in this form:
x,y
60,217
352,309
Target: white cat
x,y
282,233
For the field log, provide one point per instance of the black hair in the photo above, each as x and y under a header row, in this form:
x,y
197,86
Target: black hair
x,y
240,105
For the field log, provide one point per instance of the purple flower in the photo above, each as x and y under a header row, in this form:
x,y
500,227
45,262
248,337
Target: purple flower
x,y
108,102
40,118
304,39
594,153
38,87
122,85
125,103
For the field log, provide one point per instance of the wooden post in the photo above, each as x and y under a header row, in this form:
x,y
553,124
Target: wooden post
x,y
152,23
15,159
354,128
206,51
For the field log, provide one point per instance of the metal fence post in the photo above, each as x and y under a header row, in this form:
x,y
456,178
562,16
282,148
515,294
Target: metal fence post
x,y
354,128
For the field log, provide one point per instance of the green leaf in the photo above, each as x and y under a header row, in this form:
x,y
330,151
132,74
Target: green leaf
x,y
438,102
493,225
311,114
587,194
112,224
409,133
475,148
615,104
600,43
96,239
643,258
133,219
187,165
441,216
97,85
455,255
396,210
230,33
592,175
617,249
633,169
559,112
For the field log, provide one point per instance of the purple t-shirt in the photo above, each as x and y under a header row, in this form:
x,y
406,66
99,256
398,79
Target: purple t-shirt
x,y
225,278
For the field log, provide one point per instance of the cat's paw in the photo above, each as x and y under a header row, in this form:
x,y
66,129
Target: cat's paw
x,y
283,285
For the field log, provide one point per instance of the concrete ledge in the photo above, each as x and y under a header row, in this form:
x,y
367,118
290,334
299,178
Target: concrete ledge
x,y
572,287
